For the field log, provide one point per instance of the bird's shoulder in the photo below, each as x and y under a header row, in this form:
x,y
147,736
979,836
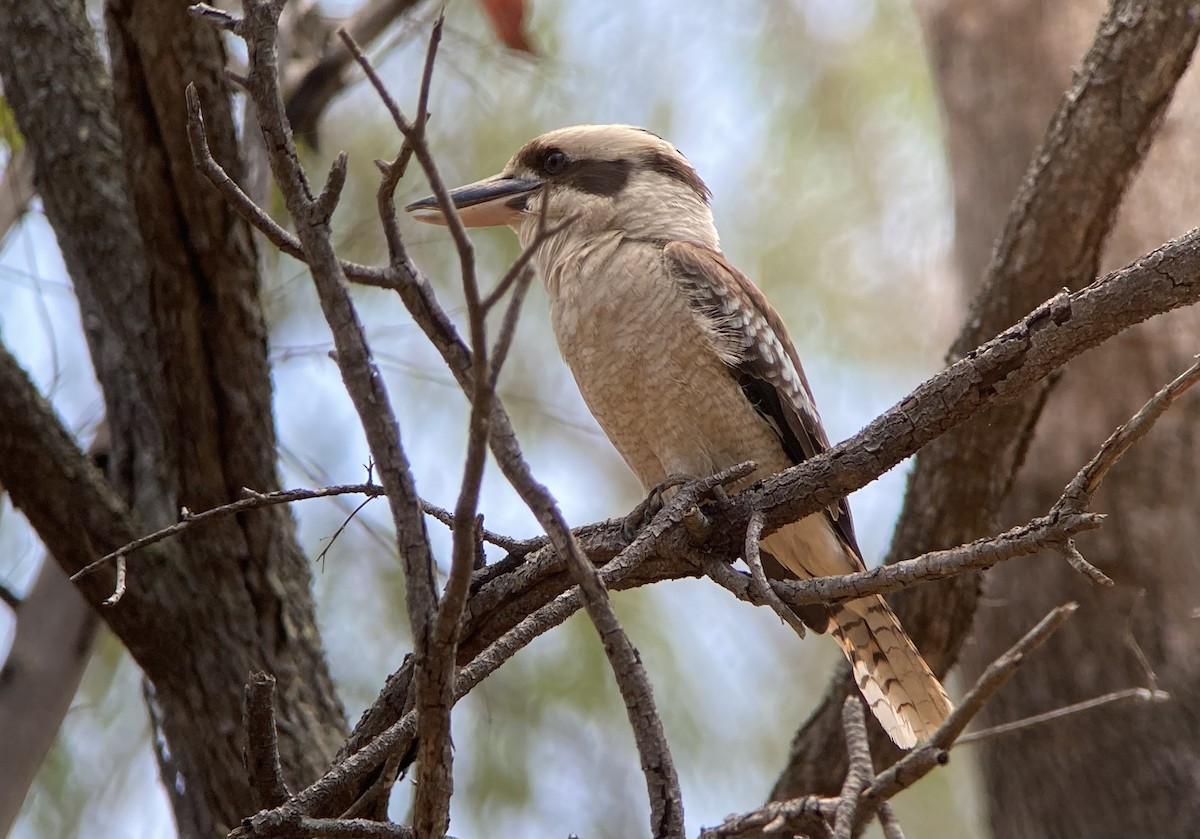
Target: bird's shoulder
x,y
750,326
754,343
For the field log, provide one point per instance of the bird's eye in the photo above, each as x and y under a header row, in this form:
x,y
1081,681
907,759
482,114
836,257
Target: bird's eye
x,y
555,162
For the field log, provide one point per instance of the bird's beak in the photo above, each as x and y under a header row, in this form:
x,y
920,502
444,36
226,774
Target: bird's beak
x,y
494,201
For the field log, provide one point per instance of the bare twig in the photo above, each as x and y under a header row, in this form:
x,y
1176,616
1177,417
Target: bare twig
x,y
1138,694
860,772
1023,540
1136,648
760,586
1082,488
386,195
1075,559
888,821
1078,494
414,134
341,528
255,500
119,588
263,766
435,672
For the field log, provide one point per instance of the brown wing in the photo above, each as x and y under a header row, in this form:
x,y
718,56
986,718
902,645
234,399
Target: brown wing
x,y
754,343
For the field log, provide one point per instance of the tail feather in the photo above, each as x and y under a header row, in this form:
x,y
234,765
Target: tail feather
x,y
907,699
898,685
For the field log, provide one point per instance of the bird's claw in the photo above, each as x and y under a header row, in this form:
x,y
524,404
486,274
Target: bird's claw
x,y
650,506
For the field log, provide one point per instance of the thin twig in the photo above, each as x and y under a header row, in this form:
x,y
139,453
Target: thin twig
x,y
353,356
435,669
519,268
1024,540
1079,492
119,588
1136,648
258,218
760,586
1139,694
414,133
341,528
1075,559
889,822
255,500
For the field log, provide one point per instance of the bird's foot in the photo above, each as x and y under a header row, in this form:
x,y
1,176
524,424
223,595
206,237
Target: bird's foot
x,y
651,505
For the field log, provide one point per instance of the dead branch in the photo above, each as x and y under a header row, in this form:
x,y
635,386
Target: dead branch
x,y
1136,694
263,767
860,773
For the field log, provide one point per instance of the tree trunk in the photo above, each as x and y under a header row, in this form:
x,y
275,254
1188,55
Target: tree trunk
x,y
1126,769
166,276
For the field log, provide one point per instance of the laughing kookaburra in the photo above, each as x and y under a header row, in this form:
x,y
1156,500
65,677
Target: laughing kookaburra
x,y
684,363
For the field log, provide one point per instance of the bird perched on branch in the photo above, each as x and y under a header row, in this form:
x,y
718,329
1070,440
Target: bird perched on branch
x,y
685,365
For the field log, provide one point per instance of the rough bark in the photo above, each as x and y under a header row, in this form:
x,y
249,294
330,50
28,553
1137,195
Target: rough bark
x,y
999,68
166,279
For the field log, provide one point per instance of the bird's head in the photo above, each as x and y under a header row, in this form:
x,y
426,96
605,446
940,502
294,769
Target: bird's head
x,y
606,178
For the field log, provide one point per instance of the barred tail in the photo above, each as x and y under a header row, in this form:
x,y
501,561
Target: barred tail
x,y
907,699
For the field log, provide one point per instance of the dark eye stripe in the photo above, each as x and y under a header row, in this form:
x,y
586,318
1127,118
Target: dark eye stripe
x,y
608,177
678,169
597,177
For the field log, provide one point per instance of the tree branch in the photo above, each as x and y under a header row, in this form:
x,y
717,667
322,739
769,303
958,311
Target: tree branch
x,y
263,767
